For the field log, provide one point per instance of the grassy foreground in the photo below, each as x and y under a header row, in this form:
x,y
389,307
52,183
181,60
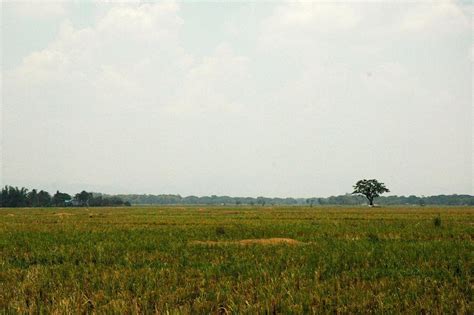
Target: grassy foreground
x,y
161,259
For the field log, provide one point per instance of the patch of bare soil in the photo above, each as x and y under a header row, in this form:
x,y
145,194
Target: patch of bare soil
x,y
260,241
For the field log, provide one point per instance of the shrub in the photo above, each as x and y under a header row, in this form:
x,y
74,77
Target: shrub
x,y
373,237
437,221
220,230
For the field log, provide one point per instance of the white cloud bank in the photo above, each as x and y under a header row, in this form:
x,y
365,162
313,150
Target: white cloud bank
x,y
330,93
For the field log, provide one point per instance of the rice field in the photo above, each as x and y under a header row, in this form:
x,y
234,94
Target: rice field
x,y
250,260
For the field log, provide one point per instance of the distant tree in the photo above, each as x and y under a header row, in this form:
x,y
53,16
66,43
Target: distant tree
x,y
44,199
83,198
96,201
13,197
370,188
310,201
32,197
422,201
59,199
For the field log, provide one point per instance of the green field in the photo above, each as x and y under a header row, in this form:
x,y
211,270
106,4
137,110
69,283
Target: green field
x,y
191,260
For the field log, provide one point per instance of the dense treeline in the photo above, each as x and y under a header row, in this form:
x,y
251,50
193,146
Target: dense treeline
x,y
207,200
21,197
348,199
448,200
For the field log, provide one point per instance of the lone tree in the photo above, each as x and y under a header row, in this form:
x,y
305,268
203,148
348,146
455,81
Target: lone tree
x,y
370,188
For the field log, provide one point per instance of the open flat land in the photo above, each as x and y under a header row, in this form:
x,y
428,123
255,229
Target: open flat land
x,y
237,260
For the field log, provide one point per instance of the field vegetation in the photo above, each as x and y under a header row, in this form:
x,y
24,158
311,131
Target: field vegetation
x,y
237,260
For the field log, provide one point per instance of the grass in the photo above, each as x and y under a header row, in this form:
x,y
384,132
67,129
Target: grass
x,y
147,260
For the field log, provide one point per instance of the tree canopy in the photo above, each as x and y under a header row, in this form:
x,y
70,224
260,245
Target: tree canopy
x,y
370,188
12,197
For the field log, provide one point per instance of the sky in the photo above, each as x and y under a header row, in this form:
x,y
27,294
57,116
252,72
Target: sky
x,y
237,98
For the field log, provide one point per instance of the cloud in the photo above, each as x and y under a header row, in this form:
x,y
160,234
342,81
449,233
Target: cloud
x,y
39,10
441,17
214,84
130,47
319,17
144,22
347,70
84,91
296,22
126,99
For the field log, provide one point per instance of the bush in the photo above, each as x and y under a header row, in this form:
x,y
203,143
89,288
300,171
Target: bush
x,y
220,230
373,237
437,221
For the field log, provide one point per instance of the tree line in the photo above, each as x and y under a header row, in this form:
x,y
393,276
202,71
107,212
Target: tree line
x,y
22,197
347,199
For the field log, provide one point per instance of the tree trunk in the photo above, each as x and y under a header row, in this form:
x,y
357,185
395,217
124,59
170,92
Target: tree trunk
x,y
371,202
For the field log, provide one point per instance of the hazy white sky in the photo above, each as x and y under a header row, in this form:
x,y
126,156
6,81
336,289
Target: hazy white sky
x,y
237,98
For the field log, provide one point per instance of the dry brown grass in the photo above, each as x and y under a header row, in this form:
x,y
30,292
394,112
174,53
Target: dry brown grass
x,y
260,241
